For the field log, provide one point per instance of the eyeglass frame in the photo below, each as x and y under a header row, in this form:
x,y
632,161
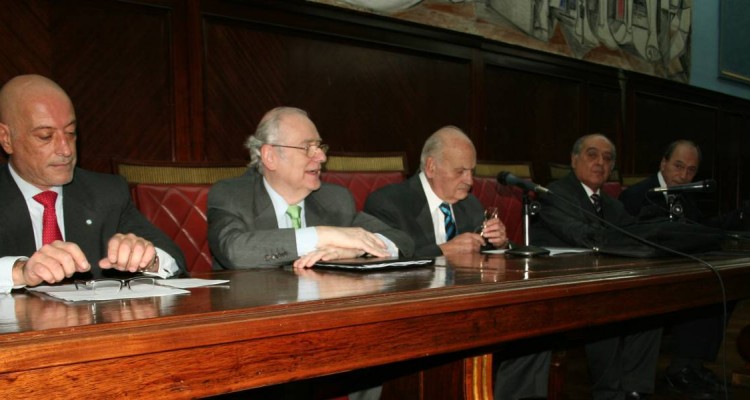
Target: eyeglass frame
x,y
313,147
90,284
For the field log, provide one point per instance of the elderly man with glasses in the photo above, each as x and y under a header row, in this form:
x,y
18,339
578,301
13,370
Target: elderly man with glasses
x,y
279,212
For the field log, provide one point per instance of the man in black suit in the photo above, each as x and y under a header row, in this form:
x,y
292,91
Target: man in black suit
x,y
696,337
437,210
678,167
622,357
89,227
418,206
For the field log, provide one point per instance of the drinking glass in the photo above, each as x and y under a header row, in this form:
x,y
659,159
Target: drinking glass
x,y
489,213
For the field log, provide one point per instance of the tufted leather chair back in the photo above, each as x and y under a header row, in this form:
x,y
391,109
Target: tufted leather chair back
x,y
508,200
180,212
361,184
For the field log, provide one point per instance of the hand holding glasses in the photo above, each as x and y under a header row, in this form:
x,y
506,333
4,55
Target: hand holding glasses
x,y
489,213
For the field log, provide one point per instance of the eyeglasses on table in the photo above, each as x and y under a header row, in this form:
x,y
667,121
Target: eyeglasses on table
x,y
111,285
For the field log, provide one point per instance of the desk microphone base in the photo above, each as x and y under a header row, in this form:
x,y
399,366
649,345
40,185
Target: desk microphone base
x,y
527,251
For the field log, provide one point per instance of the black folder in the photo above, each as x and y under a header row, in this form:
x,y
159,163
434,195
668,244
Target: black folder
x,y
372,264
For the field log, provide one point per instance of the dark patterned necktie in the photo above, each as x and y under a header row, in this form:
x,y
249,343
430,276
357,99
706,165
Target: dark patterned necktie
x,y
50,228
450,224
597,202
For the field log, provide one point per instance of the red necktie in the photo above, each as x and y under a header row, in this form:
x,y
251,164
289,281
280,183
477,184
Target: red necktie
x,y
50,229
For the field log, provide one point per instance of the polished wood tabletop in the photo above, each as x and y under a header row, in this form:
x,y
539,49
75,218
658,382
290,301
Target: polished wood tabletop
x,y
274,325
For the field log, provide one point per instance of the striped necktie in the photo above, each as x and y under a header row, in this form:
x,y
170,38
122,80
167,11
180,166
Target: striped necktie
x,y
596,200
450,224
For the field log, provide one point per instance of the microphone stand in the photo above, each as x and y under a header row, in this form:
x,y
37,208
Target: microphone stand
x,y
675,207
527,250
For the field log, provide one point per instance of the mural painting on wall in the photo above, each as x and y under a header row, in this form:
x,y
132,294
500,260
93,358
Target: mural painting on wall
x,y
647,36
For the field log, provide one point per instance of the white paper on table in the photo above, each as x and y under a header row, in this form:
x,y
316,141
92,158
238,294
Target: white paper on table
x,y
187,283
70,293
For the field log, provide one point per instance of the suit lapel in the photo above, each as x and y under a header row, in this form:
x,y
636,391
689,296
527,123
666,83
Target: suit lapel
x,y
657,197
314,212
463,218
421,209
83,221
264,213
583,199
15,214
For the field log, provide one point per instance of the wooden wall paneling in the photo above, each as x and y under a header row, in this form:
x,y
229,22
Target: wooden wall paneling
x,y
605,115
539,104
25,33
733,159
477,128
743,143
114,60
187,89
24,41
362,95
661,118
531,117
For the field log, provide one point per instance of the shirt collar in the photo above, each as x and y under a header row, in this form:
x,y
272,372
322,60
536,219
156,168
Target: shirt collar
x,y
279,204
588,190
27,189
662,182
433,201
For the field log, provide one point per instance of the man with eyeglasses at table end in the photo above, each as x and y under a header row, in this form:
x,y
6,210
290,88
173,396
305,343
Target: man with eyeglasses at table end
x,y
622,357
58,218
279,212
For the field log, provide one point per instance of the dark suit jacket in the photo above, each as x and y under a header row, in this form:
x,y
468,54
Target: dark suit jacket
x,y
95,206
649,206
652,205
561,224
404,206
243,231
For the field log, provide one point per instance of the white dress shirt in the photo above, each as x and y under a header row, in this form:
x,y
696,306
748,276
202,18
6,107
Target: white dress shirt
x,y
433,204
306,238
167,264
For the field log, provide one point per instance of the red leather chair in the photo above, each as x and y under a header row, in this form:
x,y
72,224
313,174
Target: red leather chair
x,y
612,188
361,184
173,197
507,199
180,212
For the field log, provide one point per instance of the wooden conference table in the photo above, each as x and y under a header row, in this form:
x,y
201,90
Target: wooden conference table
x,y
274,325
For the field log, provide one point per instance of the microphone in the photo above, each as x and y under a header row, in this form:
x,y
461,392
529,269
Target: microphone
x,y
707,185
508,179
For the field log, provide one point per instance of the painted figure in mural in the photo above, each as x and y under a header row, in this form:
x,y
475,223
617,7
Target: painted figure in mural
x,y
654,30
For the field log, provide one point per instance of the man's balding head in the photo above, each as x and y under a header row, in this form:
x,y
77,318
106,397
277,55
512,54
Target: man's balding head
x,y
38,130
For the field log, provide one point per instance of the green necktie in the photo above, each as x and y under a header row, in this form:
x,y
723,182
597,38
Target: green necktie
x,y
293,212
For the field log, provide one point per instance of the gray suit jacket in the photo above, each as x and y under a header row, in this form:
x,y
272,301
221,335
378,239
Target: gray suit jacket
x,y
404,206
243,231
96,206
